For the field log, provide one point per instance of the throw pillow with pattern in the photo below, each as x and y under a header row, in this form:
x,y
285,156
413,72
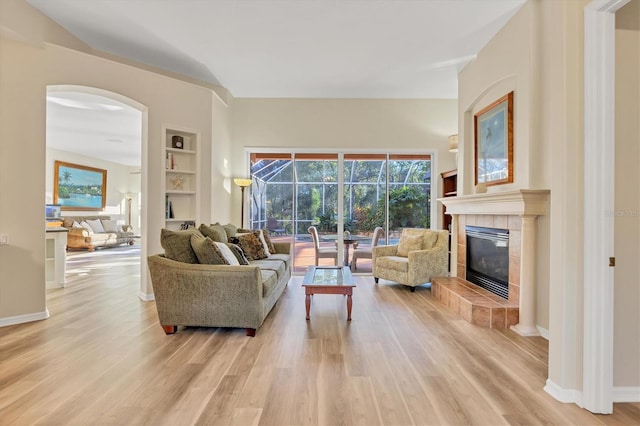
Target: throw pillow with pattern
x,y
238,253
250,245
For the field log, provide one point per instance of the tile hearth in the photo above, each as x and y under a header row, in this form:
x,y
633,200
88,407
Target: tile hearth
x,y
475,304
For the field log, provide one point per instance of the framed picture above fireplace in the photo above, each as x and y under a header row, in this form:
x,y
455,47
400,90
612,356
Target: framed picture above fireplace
x,y
493,147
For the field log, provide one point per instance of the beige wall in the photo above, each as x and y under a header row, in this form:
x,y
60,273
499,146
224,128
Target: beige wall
x,y
511,62
539,55
626,351
25,71
505,64
344,124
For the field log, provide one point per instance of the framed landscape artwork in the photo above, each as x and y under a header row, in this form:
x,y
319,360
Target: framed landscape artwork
x,y
493,128
77,187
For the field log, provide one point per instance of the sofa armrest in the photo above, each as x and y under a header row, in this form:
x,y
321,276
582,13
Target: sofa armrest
x,y
426,264
78,233
379,251
282,247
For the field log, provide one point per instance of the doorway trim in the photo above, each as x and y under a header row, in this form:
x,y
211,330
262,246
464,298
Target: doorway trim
x,y
52,88
599,184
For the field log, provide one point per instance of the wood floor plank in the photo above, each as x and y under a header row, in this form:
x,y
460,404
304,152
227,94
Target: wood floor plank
x,y
102,358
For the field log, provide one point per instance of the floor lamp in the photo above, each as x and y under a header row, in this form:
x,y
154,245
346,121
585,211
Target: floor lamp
x,y
242,183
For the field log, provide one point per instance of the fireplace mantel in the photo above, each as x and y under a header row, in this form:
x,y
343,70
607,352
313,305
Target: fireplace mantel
x,y
517,211
529,202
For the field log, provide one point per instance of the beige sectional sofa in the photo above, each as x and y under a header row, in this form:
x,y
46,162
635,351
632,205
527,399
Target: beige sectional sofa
x,y
218,295
80,237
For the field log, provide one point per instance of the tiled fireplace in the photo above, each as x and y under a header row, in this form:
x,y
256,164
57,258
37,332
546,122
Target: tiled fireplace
x,y
516,211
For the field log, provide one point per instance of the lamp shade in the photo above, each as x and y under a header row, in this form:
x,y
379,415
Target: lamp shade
x,y
242,182
453,143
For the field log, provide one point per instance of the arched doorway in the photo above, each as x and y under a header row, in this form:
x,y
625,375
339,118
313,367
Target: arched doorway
x,y
108,131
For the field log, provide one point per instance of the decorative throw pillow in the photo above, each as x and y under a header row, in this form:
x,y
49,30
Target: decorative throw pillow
x,y
250,245
68,222
270,246
263,235
177,245
216,232
230,229
260,235
75,225
207,251
409,243
429,240
86,226
238,253
109,225
227,253
96,225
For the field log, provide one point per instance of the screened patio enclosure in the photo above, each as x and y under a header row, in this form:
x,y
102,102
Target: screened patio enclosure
x,y
291,192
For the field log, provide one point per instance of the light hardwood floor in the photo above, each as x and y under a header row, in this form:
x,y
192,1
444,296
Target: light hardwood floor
x,y
102,358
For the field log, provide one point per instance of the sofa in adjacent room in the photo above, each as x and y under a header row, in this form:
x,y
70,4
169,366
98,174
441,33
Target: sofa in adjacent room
x,y
194,285
91,232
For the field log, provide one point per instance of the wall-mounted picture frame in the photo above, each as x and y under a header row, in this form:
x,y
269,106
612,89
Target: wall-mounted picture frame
x,y
493,148
77,187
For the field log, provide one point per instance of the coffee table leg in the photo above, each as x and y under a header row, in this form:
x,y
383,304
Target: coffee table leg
x,y
307,303
349,304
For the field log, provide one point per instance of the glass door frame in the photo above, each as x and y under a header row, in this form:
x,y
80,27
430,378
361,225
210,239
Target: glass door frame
x,y
435,184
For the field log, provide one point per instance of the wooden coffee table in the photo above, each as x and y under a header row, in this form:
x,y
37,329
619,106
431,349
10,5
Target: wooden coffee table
x,y
328,280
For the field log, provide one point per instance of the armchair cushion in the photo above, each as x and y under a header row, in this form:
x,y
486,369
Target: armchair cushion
x,y
396,263
409,243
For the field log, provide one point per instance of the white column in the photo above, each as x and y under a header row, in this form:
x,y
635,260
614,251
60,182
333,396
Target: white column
x,y
527,315
453,270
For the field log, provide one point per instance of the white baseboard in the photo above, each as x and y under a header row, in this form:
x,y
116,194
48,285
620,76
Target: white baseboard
x,y
20,319
563,395
620,393
146,297
543,332
626,394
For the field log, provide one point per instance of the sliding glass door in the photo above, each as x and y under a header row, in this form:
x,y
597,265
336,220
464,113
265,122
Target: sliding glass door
x,y
292,192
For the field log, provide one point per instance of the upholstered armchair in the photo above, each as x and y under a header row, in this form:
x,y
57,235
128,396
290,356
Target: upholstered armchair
x,y
420,255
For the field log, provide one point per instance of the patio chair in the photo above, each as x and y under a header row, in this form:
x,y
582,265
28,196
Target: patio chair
x,y
365,252
326,252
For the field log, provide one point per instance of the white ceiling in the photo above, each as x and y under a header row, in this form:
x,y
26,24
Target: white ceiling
x,y
268,48
295,48
94,126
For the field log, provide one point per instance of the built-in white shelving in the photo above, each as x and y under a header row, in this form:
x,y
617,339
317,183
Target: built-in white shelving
x,y
181,176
